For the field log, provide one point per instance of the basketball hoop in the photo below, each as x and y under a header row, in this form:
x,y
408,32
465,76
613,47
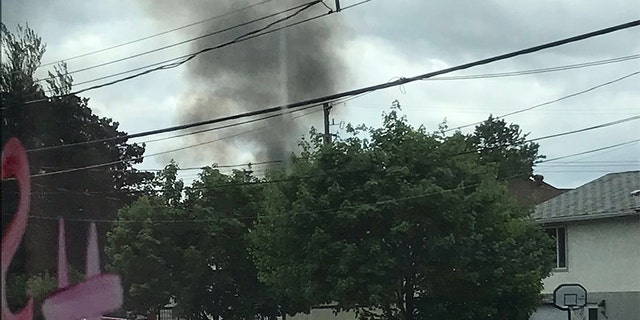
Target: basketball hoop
x,y
570,297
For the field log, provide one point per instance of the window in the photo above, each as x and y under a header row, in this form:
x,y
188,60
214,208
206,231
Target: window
x,y
593,313
560,236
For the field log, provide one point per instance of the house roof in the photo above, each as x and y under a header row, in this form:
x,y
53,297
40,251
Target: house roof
x,y
607,196
533,190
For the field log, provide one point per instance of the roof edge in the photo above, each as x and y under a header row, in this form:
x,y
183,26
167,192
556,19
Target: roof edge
x,y
599,216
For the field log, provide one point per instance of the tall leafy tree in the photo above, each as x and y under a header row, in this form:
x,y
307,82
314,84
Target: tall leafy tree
x,y
401,225
197,253
142,248
506,146
53,121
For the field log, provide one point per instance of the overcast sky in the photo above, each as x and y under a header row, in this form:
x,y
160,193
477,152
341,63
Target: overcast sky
x,y
369,44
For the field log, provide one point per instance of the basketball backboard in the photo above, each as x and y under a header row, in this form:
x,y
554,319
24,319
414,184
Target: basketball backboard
x,y
569,296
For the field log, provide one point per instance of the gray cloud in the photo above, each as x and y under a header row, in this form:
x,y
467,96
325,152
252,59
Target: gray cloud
x,y
459,30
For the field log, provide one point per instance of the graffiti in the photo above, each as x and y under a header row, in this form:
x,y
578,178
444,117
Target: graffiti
x,y
98,294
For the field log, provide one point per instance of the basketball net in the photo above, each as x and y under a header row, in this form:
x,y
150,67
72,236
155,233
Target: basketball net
x,y
578,314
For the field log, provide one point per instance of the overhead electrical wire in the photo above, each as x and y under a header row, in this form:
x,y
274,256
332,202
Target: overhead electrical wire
x,y
327,210
541,70
550,102
158,34
178,44
401,81
364,90
545,166
192,132
591,151
219,166
561,163
228,125
612,123
602,162
467,77
481,76
241,123
382,202
186,58
106,164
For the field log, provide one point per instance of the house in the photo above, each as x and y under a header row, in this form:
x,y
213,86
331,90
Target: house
x,y
597,232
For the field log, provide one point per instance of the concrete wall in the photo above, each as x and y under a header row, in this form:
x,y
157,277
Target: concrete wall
x,y
617,306
322,314
602,255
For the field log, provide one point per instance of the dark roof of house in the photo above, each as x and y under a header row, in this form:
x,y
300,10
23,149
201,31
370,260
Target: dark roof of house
x,y
532,191
607,196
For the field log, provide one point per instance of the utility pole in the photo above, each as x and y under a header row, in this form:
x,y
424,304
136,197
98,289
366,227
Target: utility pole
x,y
338,6
327,135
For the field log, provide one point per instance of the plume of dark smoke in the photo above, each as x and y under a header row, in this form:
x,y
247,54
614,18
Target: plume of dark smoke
x,y
288,65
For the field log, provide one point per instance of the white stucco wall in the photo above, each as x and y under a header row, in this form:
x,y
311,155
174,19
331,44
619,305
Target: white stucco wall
x,y
603,256
322,314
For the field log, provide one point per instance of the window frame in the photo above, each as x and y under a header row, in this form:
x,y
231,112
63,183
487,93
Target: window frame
x,y
560,247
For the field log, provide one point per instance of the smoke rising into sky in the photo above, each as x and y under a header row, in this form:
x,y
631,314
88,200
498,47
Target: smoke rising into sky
x,y
289,65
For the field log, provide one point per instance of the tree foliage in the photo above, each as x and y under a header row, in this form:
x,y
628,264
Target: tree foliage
x,y
51,122
506,146
190,245
401,225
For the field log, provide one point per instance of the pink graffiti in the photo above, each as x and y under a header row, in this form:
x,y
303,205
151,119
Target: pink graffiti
x,y
15,165
98,294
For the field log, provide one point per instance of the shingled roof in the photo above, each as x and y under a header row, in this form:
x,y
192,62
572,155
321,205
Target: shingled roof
x,y
607,196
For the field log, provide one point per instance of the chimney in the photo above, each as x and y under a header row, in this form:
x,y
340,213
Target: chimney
x,y
538,179
636,200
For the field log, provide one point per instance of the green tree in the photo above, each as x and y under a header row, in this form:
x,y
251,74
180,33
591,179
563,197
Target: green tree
x,y
138,245
506,146
53,121
401,225
197,252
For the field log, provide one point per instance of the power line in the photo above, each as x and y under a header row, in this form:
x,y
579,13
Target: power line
x,y
106,164
172,60
158,34
576,171
235,124
402,81
184,59
612,123
290,111
552,101
377,203
215,166
594,166
541,70
582,110
399,81
328,210
602,162
177,44
581,159
180,135
263,127
591,151
368,89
